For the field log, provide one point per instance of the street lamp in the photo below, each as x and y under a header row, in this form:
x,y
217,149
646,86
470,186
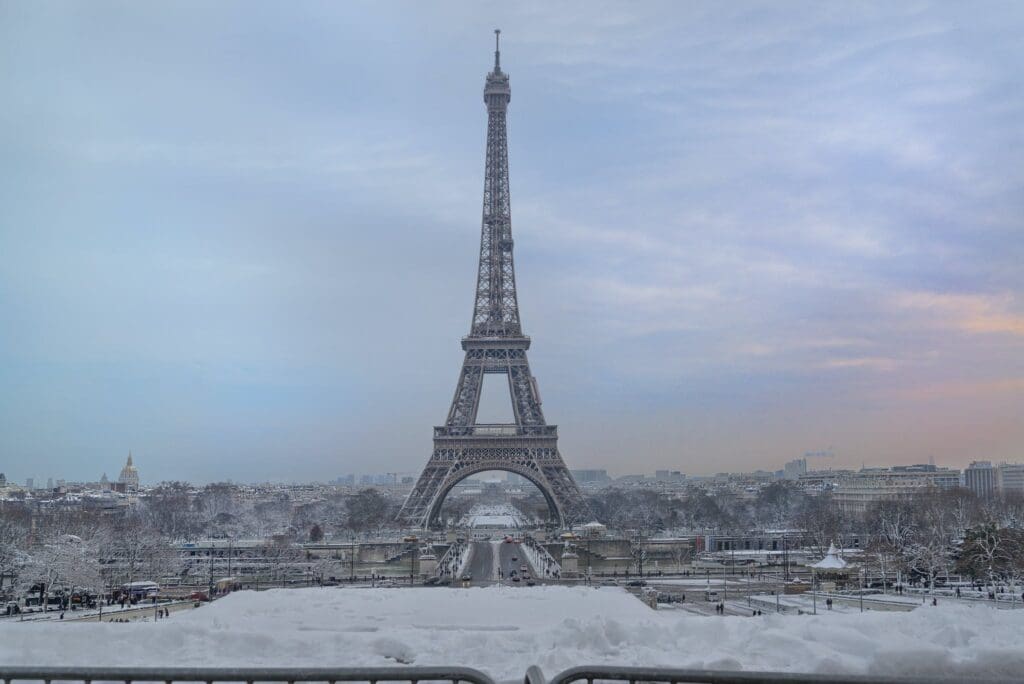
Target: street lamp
x,y
862,575
589,568
352,558
814,590
785,555
412,565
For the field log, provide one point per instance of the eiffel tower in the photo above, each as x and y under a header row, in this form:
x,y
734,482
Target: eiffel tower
x,y
495,344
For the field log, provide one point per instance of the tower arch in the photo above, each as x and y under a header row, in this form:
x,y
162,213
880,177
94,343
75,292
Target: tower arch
x,y
443,492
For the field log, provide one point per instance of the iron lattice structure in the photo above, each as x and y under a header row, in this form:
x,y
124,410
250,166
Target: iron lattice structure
x,y
495,344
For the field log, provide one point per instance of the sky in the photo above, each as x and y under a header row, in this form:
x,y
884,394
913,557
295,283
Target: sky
x,y
239,239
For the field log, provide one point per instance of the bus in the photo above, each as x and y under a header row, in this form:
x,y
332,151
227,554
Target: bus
x,y
135,591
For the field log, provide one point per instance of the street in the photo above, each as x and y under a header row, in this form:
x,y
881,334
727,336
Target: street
x,y
486,557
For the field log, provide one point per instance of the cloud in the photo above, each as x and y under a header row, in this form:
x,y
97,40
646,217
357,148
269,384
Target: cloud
x,y
870,362
969,313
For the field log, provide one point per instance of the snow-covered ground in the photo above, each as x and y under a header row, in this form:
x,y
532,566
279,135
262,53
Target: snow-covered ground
x,y
502,630
493,516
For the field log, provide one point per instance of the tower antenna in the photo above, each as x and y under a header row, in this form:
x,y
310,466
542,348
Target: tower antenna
x,y
497,50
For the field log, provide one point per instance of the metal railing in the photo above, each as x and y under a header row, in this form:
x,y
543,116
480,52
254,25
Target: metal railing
x,y
210,675
634,675
455,675
496,430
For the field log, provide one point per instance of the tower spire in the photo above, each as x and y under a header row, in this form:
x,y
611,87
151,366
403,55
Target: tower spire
x,y
497,50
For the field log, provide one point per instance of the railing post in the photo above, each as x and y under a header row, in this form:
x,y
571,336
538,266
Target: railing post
x,y
534,675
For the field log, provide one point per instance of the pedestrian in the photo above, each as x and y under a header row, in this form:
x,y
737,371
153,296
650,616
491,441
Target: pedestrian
x,y
935,601
958,592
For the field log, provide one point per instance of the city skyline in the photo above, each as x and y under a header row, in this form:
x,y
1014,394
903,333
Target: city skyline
x,y
220,248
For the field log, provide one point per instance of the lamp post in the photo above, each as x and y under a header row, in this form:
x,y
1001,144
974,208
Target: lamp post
x,y
412,564
210,587
814,591
785,555
748,589
352,558
589,567
862,589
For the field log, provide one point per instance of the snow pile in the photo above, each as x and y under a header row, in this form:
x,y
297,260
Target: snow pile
x,y
502,630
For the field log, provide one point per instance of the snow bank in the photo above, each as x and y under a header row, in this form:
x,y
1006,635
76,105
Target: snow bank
x,y
502,630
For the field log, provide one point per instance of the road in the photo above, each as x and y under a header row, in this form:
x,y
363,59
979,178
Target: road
x,y
487,557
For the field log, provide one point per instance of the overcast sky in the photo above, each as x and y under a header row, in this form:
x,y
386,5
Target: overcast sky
x,y
239,239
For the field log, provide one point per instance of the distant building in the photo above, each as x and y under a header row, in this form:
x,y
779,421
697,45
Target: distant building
x,y
794,469
856,493
591,476
669,476
129,477
1009,478
30,483
3,480
980,478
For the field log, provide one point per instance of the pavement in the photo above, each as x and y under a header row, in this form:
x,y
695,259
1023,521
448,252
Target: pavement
x,y
145,610
139,612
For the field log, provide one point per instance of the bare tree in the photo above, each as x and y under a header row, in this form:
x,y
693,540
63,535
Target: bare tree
x,y
992,552
821,522
169,510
